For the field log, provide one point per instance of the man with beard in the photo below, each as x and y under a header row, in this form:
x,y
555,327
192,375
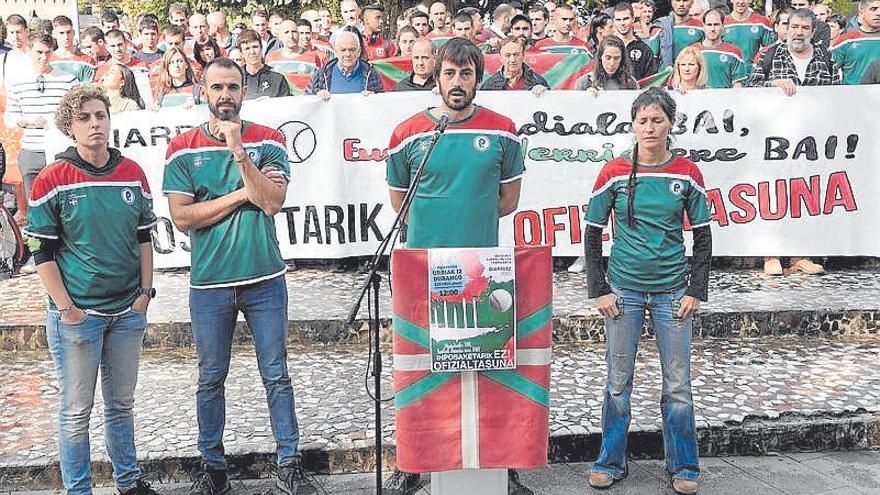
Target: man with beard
x,y
640,55
797,61
474,173
225,180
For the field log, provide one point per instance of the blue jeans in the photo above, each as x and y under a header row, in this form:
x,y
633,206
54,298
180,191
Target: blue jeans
x,y
113,344
214,313
676,403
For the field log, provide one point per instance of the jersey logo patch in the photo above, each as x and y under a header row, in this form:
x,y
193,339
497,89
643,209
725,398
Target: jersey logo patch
x,y
754,29
74,198
676,187
198,161
723,58
128,196
692,31
254,155
481,143
636,54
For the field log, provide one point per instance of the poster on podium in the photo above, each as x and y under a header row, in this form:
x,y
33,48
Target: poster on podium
x,y
489,419
471,310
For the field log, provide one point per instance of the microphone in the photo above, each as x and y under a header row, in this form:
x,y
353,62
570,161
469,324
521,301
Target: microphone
x,y
442,123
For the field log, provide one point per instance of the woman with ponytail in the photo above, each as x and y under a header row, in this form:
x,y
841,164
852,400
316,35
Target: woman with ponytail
x,y
649,193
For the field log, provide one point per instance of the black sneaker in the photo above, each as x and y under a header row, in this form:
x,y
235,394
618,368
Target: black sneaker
x,y
515,486
211,482
401,483
141,488
294,480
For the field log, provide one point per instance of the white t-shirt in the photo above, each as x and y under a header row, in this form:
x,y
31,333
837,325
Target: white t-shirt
x,y
800,64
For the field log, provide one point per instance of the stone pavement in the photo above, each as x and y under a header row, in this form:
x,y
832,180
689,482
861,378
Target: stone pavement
x,y
836,473
742,303
752,396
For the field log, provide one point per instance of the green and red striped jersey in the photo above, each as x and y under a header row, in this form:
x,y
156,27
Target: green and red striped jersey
x,y
297,68
649,256
242,248
95,214
456,203
749,35
725,65
78,65
853,52
685,34
575,45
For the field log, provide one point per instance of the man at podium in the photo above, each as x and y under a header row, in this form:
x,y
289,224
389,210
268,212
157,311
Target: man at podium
x,y
471,180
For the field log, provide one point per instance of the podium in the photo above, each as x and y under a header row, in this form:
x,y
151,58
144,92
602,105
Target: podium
x,y
454,415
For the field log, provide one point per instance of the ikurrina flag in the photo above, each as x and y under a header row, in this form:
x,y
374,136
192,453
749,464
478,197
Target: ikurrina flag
x,y
472,420
560,70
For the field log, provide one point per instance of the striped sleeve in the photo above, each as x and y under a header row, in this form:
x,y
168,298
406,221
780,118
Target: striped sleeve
x,y
147,218
697,205
176,178
739,71
397,165
602,201
44,212
274,154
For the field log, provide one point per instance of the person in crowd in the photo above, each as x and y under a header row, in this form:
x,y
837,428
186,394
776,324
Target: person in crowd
x,y
312,16
307,46
18,35
325,27
678,30
235,56
647,269
822,12
463,26
219,30
836,25
225,180
643,10
260,24
855,50
178,15
121,89
259,79
176,82
601,26
420,22
291,60
698,8
480,32
119,54
689,72
94,323
109,21
4,49
31,100
350,11
872,75
347,73
612,71
501,17
406,37
798,61
204,52
540,17
275,20
93,44
514,74
67,56
149,52
563,39
422,77
484,190
521,26
198,28
376,46
748,31
641,57
725,65
441,29
821,31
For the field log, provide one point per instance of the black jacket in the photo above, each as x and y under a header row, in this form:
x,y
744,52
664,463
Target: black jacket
x,y
265,82
408,84
498,81
321,79
642,59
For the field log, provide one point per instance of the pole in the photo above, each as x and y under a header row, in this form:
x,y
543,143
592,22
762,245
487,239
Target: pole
x,y
377,379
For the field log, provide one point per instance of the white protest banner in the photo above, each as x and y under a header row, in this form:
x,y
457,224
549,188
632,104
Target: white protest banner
x,y
784,175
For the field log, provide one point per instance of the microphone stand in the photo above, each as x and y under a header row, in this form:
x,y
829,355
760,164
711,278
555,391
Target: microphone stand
x,y
372,282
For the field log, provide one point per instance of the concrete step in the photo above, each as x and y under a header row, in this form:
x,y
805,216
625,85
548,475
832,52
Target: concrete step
x,y
753,396
743,303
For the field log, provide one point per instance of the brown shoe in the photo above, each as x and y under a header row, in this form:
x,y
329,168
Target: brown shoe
x,y
807,266
772,266
684,487
601,480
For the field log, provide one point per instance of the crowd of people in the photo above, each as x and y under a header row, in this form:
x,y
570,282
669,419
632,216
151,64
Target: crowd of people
x,y
142,64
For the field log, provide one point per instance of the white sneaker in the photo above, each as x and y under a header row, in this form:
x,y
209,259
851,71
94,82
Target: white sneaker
x,y
578,266
28,268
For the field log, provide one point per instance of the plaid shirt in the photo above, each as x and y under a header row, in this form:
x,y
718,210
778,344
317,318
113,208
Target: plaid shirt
x,y
820,71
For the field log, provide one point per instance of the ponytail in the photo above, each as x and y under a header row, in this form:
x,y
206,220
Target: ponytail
x,y
631,188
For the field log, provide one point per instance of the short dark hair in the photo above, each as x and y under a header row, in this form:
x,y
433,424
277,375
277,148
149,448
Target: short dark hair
x,y
173,30
41,37
462,17
260,13
179,8
837,19
805,14
419,13
248,36
62,20
223,63
93,33
148,23
16,20
460,52
304,22
197,50
543,10
114,33
109,16
520,18
623,6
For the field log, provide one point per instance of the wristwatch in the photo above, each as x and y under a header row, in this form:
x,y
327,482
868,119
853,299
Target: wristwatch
x,y
149,292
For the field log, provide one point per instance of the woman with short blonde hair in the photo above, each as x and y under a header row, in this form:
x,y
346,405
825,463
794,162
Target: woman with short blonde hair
x,y
690,70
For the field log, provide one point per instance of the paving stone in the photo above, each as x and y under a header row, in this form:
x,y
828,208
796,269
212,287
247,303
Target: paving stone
x,y
787,475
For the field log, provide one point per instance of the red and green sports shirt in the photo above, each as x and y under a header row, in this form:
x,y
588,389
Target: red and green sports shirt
x,y
854,52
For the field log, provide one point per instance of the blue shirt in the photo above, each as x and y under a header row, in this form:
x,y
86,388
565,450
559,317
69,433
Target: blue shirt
x,y
353,83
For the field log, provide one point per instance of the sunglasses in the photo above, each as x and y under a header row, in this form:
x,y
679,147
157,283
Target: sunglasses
x,y
41,84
